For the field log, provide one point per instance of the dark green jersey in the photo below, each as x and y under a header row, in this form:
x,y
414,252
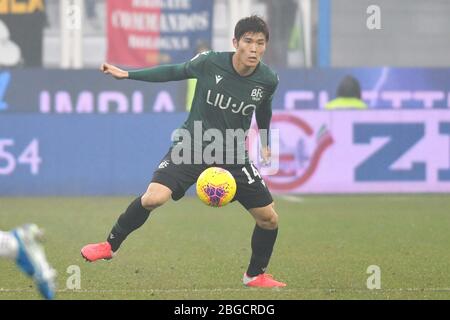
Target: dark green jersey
x,y
224,101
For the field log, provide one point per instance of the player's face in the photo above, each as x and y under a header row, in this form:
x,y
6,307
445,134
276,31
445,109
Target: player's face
x,y
250,48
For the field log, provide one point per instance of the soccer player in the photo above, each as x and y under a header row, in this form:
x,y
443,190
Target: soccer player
x,y
231,86
22,245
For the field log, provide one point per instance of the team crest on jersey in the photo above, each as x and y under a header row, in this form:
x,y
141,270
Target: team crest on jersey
x,y
257,94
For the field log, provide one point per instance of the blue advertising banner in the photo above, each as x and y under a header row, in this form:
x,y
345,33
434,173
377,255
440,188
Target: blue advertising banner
x,y
85,92
91,92
318,152
382,88
191,24
78,155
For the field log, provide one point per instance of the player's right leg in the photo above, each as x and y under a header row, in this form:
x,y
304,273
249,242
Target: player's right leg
x,y
134,217
170,180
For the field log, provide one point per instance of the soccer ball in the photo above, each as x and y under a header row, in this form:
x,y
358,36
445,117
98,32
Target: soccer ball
x,y
216,187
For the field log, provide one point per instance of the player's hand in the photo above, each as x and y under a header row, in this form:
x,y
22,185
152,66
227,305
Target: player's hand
x,y
116,72
266,156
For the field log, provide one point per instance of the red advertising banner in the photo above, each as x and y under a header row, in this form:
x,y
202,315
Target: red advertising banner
x,y
127,24
148,32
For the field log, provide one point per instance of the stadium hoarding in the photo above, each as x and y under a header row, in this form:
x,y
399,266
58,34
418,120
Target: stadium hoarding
x,y
148,33
362,152
382,88
80,155
320,152
85,92
90,92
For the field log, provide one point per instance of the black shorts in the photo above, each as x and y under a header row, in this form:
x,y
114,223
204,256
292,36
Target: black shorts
x,y
251,191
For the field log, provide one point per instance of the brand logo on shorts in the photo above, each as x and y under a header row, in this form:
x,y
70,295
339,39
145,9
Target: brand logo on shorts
x,y
164,164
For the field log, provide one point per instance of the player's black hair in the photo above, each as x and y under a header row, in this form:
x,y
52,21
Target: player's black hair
x,y
253,24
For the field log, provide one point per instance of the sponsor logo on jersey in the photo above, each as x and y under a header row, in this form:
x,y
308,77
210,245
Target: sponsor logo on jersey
x,y
224,102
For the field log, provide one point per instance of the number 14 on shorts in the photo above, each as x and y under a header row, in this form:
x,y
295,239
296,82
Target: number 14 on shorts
x,y
249,176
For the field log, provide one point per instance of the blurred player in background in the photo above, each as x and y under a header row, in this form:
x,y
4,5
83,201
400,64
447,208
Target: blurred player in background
x,y
22,245
231,86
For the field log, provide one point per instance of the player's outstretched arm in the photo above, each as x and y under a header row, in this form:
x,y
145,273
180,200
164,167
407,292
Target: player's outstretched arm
x,y
114,71
163,73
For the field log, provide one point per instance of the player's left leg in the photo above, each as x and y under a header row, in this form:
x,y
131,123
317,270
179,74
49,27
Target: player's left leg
x,y
263,240
254,195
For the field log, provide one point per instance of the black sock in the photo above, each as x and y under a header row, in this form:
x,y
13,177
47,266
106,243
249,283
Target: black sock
x,y
134,217
262,245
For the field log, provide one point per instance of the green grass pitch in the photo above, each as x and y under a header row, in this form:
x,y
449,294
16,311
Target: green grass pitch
x,y
189,251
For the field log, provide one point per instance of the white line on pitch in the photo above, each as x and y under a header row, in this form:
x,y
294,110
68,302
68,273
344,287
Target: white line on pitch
x,y
293,198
